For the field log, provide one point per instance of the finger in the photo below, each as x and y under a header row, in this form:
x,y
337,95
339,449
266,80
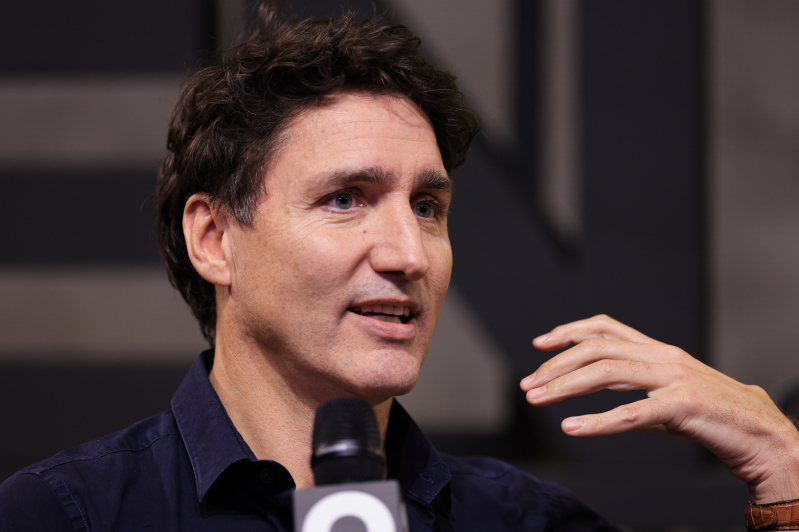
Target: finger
x,y
617,375
578,331
595,349
644,415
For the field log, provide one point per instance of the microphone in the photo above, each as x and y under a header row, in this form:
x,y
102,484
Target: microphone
x,y
348,464
346,443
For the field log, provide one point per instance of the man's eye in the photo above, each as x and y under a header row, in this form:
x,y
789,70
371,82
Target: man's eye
x,y
423,210
343,201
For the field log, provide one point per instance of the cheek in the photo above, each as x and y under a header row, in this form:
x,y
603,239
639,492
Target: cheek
x,y
436,283
316,264
290,282
440,256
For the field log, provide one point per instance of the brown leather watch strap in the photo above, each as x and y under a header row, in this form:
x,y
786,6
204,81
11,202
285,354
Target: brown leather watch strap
x,y
783,515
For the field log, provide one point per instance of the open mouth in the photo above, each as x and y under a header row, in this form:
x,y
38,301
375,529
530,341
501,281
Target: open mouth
x,y
386,313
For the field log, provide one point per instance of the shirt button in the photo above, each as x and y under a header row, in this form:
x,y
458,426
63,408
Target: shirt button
x,y
266,476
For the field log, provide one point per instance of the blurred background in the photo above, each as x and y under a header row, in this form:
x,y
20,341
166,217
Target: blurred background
x,y
639,159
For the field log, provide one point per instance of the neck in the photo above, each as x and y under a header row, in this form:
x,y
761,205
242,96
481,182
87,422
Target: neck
x,y
272,415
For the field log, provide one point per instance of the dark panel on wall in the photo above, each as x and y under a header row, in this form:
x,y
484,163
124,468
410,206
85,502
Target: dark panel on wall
x,y
52,36
78,217
523,160
640,260
642,164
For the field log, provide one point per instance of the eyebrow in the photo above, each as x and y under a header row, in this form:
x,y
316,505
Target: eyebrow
x,y
429,179
435,180
345,178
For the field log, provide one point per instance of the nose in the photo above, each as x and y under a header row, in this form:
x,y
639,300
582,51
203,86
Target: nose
x,y
399,245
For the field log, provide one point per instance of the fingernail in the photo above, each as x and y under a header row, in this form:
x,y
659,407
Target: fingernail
x,y
572,424
528,381
535,393
541,338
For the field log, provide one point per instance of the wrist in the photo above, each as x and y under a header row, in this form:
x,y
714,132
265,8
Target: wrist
x,y
779,478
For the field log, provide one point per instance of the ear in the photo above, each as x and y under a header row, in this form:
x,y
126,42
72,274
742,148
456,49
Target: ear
x,y
204,229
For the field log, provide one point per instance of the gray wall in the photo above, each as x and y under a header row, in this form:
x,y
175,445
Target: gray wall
x,y
753,119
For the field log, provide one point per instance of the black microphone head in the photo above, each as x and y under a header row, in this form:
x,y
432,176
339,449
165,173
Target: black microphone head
x,y
346,443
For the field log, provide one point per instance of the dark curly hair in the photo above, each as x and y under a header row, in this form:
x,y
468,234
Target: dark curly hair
x,y
227,122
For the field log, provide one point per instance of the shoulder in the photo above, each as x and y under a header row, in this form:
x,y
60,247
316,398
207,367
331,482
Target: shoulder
x,y
493,487
67,485
474,471
28,503
481,466
136,438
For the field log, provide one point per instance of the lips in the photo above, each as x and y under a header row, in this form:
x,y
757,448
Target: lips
x,y
384,313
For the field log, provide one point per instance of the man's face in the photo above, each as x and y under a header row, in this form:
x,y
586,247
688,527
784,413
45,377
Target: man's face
x,y
341,279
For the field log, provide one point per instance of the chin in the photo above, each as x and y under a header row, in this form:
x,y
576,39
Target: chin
x,y
382,387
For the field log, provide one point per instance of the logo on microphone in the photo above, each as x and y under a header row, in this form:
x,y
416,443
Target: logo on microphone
x,y
362,501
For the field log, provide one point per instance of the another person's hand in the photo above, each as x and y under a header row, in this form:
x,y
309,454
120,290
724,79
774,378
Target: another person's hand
x,y
739,423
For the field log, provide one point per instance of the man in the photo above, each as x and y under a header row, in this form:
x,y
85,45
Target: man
x,y
303,217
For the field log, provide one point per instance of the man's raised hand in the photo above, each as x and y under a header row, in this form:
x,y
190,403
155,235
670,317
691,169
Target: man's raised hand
x,y
739,423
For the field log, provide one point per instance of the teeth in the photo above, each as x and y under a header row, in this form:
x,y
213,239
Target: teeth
x,y
387,319
384,311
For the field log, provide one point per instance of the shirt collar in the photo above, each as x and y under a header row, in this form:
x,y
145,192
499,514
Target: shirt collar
x,y
413,460
211,440
213,443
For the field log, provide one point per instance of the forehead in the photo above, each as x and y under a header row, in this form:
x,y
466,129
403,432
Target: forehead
x,y
354,114
348,131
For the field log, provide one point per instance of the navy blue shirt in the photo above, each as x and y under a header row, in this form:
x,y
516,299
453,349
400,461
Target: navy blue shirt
x,y
189,469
